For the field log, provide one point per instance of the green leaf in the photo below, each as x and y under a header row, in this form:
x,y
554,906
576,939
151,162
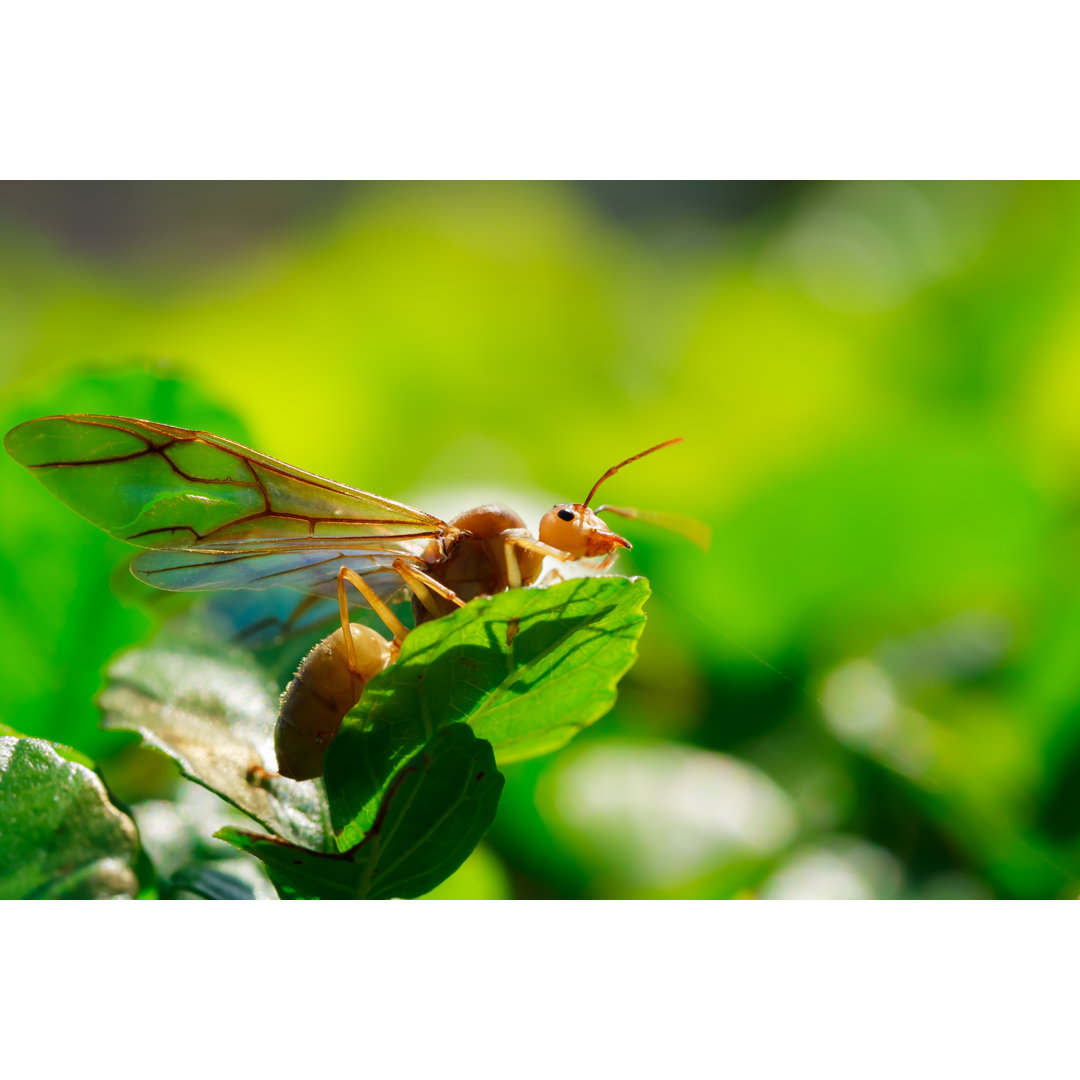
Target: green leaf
x,y
60,836
212,709
56,642
210,884
480,877
526,669
68,753
436,810
176,836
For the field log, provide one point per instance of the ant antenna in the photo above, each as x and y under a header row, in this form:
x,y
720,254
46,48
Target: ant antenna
x,y
615,468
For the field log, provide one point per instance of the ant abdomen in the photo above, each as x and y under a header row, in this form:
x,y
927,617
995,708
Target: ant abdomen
x,y
323,690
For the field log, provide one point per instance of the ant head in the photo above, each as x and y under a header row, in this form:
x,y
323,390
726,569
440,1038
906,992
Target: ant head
x,y
575,529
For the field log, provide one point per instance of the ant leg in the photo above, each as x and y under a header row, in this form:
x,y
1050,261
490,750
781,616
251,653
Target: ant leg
x,y
281,626
527,543
424,585
298,612
541,549
378,605
552,577
555,553
513,570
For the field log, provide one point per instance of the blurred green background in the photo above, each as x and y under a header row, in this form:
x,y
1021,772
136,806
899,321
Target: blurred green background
x,y
868,687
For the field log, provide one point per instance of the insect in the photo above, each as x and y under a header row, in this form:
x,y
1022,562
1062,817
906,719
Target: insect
x,y
320,695
213,514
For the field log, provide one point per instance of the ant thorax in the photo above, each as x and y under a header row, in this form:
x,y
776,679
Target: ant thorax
x,y
474,562
488,521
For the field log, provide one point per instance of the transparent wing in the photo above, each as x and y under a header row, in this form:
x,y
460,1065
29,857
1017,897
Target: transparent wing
x,y
216,514
267,618
308,571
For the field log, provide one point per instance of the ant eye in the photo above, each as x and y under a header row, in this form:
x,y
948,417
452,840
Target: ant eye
x,y
566,515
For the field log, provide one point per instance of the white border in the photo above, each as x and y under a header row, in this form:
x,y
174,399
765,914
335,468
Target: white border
x,y
620,989
586,90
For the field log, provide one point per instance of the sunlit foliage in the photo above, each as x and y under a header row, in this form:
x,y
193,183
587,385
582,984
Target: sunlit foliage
x,y
866,688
